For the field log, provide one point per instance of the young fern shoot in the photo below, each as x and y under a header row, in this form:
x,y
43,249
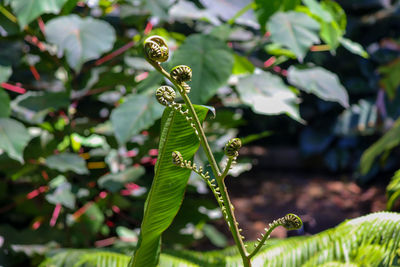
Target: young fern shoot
x,y
156,51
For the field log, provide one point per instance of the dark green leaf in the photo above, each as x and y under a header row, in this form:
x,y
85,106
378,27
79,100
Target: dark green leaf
x,y
390,140
116,181
67,162
320,82
391,77
5,109
137,113
13,138
211,62
294,30
267,94
81,39
168,188
28,10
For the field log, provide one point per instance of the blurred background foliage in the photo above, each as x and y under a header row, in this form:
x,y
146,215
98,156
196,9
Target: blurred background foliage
x,y
79,122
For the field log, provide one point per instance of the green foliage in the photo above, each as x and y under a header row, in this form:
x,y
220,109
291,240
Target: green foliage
x,y
390,140
169,183
79,39
67,162
393,191
13,138
371,240
199,52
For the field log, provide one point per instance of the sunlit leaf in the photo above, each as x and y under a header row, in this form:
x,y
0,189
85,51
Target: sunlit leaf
x,y
266,93
28,10
320,82
13,138
294,30
81,39
354,47
67,162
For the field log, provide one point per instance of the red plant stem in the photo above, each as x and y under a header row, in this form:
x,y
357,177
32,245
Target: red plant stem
x,y
55,215
114,54
13,88
41,26
34,72
149,27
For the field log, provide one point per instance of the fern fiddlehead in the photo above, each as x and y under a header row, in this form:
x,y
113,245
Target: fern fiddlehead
x,y
157,52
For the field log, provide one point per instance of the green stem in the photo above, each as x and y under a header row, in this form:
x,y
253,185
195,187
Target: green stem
x,y
227,168
261,243
232,223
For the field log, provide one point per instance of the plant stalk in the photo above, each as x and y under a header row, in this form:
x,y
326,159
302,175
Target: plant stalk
x,y
232,223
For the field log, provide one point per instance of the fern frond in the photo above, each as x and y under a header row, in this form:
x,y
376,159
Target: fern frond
x,y
393,190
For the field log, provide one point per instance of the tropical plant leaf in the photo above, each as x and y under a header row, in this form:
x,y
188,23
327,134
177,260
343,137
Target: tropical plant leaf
x,y
115,181
388,141
67,162
137,113
265,9
28,10
13,138
393,190
294,30
5,109
354,47
80,38
320,82
169,183
267,94
211,62
391,77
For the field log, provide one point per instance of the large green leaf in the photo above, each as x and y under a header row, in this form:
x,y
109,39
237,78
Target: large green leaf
x,y
265,9
294,30
81,39
267,94
169,183
115,181
5,109
137,113
67,162
13,138
390,140
28,10
33,107
320,82
211,62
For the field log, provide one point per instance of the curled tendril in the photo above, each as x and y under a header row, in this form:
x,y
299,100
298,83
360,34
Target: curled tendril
x,y
291,222
156,49
177,158
232,147
181,73
165,95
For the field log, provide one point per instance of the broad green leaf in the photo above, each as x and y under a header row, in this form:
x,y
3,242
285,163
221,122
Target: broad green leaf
x,y
137,113
265,9
320,82
393,190
33,107
67,162
294,30
354,47
242,65
390,140
316,9
60,192
5,109
266,93
169,183
81,39
391,77
211,62
116,181
13,138
28,10
5,73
